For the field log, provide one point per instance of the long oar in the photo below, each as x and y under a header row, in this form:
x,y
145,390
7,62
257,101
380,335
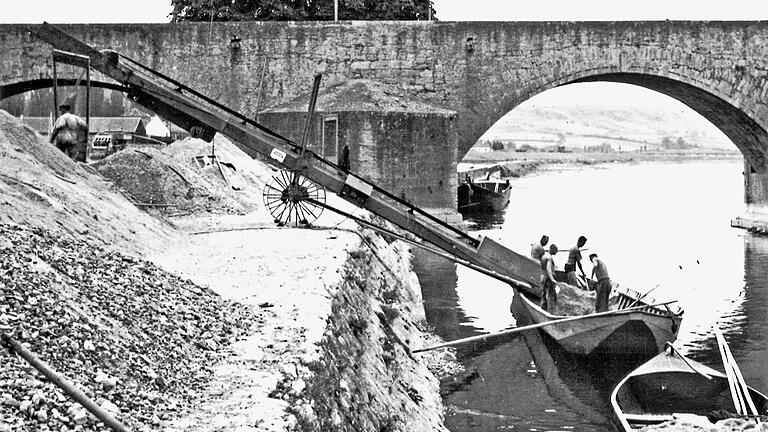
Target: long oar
x,y
749,407
535,326
738,403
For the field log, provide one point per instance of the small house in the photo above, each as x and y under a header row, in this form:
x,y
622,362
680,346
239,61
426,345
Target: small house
x,y
404,145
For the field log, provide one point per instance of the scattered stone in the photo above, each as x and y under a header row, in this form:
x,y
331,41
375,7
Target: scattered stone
x,y
81,416
110,407
109,323
11,402
41,415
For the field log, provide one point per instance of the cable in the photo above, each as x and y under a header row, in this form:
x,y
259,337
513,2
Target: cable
x,y
514,282
409,206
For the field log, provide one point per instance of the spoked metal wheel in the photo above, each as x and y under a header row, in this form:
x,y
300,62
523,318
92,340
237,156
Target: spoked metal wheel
x,y
289,198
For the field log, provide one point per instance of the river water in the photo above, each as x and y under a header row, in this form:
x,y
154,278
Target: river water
x,y
653,224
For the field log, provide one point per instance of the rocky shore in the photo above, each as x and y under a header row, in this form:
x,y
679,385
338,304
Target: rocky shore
x,y
134,338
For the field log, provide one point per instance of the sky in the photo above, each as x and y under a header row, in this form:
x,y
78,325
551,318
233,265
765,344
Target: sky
x,y
148,11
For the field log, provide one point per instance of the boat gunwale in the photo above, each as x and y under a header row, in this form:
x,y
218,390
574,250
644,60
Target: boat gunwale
x,y
550,317
648,368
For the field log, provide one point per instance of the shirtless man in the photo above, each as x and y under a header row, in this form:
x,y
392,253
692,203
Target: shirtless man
x,y
537,251
603,285
549,284
574,260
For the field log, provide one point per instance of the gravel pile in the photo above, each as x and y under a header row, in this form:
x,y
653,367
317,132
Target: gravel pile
x,y
139,341
41,187
158,181
175,184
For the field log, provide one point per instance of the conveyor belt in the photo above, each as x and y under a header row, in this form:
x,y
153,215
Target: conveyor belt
x,y
204,117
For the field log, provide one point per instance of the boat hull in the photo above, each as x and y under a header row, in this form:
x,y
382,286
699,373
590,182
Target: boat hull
x,y
667,385
478,197
638,333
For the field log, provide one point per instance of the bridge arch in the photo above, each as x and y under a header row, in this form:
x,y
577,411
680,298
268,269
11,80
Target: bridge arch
x,y
714,104
16,88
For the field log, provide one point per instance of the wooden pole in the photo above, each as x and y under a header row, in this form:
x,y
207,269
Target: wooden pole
x,y
310,111
87,108
55,91
75,393
535,326
741,384
737,403
643,296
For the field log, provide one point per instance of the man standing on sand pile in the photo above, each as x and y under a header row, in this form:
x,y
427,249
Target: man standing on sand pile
x,y
537,251
68,131
574,260
603,285
549,284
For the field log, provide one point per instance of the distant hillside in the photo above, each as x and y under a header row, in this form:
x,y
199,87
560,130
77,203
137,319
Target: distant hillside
x,y
623,128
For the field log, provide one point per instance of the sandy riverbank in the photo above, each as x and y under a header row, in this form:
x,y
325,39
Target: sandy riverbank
x,y
337,314
505,164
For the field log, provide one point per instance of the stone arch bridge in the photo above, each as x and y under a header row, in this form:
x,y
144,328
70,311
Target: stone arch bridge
x,y
479,70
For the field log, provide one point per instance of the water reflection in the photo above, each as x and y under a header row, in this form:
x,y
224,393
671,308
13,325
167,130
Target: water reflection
x,y
479,221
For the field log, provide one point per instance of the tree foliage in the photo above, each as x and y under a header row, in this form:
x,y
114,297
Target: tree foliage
x,y
298,10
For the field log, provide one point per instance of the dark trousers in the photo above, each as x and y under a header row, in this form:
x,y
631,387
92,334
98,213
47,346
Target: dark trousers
x,y
603,292
67,148
549,295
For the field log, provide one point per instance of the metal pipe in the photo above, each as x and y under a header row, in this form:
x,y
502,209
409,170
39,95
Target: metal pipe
x,y
56,378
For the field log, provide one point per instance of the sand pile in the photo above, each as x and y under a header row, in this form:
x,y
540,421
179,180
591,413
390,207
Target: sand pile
x,y
574,301
136,338
246,176
155,180
173,182
41,187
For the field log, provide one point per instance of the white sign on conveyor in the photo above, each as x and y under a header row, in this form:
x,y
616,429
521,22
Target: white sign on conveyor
x,y
359,185
277,155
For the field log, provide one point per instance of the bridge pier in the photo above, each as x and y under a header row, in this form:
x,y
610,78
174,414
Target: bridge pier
x,y
755,218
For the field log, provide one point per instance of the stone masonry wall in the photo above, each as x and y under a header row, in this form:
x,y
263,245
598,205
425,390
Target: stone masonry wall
x,y
479,70
412,155
367,379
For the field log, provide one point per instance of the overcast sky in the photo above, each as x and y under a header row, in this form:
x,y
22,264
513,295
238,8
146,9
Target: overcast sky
x,y
112,11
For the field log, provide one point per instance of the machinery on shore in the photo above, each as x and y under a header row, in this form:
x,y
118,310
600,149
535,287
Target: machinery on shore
x,y
203,117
